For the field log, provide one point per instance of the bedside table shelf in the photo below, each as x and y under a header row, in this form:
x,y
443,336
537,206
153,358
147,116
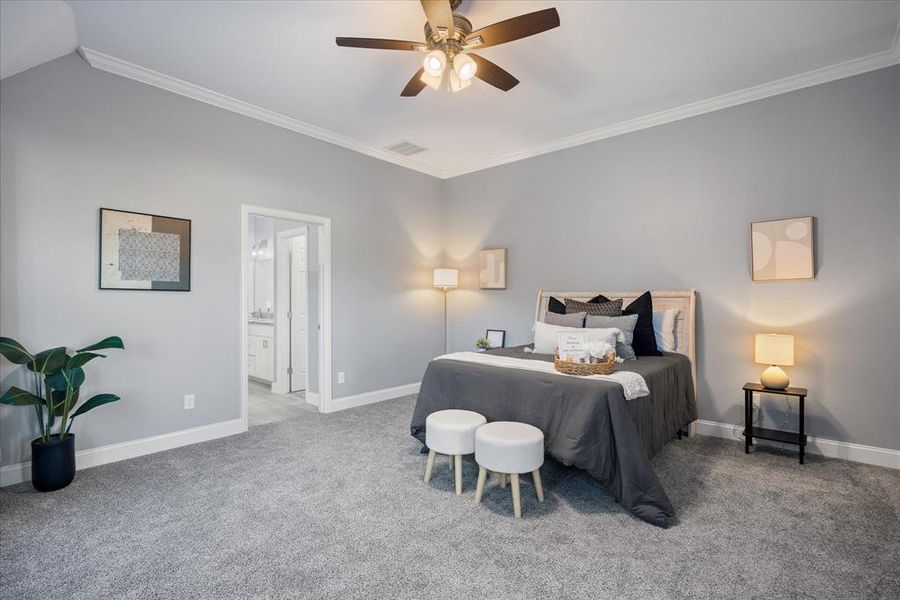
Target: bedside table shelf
x,y
763,433
785,437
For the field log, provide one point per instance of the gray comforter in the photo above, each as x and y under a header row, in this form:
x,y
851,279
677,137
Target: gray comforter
x,y
586,423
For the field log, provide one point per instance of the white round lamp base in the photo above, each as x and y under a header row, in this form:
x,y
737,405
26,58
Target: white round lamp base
x,y
774,378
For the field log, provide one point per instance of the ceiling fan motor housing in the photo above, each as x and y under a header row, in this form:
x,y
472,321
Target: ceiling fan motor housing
x,y
451,44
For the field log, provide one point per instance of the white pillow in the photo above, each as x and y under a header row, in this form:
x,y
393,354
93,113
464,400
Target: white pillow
x,y
664,329
545,340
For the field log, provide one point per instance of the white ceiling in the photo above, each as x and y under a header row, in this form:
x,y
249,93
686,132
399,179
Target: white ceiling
x,y
610,67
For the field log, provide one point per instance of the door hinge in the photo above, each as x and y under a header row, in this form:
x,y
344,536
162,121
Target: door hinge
x,y
290,315
290,370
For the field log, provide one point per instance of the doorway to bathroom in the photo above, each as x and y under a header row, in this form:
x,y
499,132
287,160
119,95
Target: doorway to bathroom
x,y
285,302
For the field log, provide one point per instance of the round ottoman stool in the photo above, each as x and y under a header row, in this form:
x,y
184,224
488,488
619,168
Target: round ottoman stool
x,y
451,432
509,448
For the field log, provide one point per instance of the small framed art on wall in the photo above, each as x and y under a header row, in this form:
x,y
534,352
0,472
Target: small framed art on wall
x,y
140,251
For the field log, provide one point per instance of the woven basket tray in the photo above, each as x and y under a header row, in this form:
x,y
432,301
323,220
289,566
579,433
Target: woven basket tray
x,y
597,368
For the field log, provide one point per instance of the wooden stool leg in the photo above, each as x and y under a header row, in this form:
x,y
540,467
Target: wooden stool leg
x,y
479,489
536,474
503,477
458,461
429,466
452,460
517,500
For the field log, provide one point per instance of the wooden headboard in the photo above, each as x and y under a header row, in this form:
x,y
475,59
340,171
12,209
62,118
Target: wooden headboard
x,y
684,302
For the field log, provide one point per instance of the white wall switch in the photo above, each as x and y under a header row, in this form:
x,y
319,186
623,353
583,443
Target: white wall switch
x,y
188,401
341,377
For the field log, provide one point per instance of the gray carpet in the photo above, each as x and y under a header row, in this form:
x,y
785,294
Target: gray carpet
x,y
333,506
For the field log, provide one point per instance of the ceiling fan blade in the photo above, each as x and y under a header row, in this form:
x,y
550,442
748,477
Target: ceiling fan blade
x,y
439,14
378,44
415,84
490,73
514,29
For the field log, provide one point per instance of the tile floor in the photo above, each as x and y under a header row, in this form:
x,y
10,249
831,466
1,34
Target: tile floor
x,y
265,407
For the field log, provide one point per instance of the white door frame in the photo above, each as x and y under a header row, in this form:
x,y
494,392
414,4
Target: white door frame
x,y
325,400
282,382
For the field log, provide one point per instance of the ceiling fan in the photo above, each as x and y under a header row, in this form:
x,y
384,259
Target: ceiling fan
x,y
449,41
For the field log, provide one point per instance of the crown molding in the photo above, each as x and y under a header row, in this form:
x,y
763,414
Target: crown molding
x,y
834,72
117,66
849,68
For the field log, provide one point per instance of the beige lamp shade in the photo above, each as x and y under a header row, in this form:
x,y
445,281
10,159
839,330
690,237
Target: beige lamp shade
x,y
775,349
446,278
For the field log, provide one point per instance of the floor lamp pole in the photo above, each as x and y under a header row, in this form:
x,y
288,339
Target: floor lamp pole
x,y
445,320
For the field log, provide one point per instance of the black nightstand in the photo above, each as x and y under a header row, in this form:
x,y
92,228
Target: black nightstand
x,y
787,437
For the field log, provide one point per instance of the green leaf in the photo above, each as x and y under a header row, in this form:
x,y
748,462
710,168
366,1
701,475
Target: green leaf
x,y
18,397
58,398
15,352
48,361
81,359
65,378
94,402
110,342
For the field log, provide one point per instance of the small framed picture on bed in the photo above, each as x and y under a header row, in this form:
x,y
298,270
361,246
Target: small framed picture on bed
x,y
497,337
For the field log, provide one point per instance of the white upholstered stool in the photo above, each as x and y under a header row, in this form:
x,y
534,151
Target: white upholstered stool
x,y
451,432
509,448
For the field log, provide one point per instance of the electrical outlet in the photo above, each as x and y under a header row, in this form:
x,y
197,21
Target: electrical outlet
x,y
189,401
342,377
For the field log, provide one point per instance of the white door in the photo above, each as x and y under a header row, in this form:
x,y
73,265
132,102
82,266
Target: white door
x,y
298,315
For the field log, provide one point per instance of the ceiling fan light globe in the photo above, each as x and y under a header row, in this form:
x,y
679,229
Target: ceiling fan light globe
x,y
432,81
456,83
465,67
434,63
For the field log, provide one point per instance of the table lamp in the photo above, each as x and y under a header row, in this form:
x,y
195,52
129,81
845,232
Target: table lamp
x,y
776,351
446,280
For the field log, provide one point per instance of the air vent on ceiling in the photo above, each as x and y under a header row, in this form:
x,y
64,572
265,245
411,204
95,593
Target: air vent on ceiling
x,y
406,148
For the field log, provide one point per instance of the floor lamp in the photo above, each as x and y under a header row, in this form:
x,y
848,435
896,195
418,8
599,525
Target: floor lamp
x,y
446,280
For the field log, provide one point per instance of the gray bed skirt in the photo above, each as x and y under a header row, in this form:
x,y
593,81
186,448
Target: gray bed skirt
x,y
586,423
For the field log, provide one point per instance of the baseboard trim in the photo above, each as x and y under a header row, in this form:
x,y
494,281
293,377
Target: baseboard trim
x,y
870,455
313,399
373,397
101,455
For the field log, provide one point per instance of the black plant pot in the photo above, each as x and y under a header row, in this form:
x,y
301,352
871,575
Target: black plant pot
x,y
52,463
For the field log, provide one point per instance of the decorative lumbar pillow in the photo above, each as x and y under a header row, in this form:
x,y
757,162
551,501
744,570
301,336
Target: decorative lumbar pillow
x,y
612,308
546,340
569,320
625,323
644,343
555,306
664,329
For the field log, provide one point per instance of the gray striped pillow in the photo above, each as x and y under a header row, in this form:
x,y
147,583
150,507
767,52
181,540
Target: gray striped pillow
x,y
613,308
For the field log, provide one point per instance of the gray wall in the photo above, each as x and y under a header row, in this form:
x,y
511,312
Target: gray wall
x,y
667,207
670,208
75,139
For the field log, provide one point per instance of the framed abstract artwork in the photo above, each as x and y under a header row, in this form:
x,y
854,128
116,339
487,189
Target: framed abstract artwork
x,y
139,251
783,250
492,269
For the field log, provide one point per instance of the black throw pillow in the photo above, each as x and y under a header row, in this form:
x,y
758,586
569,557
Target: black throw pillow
x,y
644,339
555,306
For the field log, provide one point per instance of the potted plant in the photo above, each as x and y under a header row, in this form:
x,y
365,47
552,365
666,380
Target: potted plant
x,y
482,344
57,376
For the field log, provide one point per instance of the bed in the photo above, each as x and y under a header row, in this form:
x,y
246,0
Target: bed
x,y
588,423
